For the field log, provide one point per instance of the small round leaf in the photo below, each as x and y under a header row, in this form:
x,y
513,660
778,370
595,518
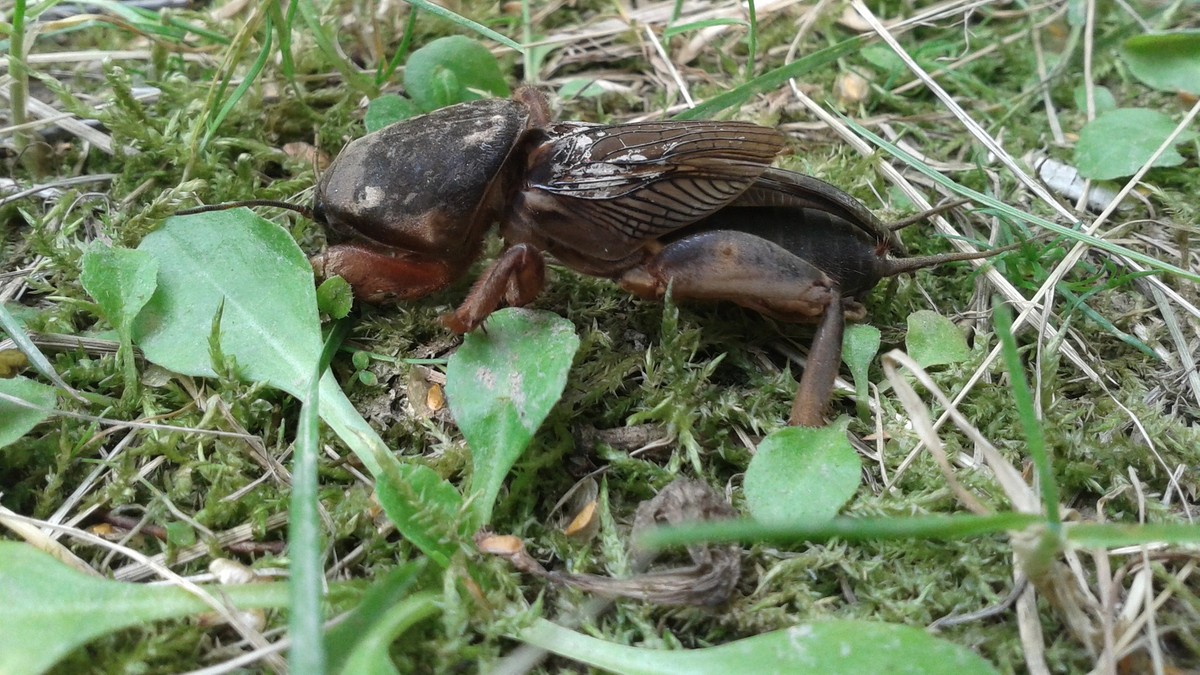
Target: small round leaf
x,y
1120,141
387,110
802,475
934,340
335,297
452,70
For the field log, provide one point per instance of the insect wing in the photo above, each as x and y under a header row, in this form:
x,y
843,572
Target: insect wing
x,y
647,179
787,189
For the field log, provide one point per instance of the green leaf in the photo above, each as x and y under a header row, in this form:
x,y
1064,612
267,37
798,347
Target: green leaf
x,y
120,280
387,110
269,324
934,340
16,332
254,270
335,297
424,507
452,70
1035,433
1102,97
372,655
1166,61
1120,141
50,609
501,384
860,344
826,647
344,640
17,420
802,475
884,58
884,528
180,535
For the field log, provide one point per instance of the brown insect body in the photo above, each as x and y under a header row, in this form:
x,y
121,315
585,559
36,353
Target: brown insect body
x,y
596,196
693,205
416,198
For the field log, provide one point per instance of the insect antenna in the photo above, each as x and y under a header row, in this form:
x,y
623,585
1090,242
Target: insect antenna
x,y
918,217
897,266
302,210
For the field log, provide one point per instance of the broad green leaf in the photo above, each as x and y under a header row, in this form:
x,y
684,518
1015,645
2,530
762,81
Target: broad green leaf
x,y
802,475
826,647
120,280
452,70
180,535
49,609
269,326
1167,61
934,340
501,384
387,110
17,420
1120,141
860,344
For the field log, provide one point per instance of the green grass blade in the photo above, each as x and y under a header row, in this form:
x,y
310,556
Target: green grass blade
x,y
1072,233
35,356
307,582
354,78
845,528
1078,303
1035,438
751,39
215,122
307,654
671,31
1102,535
770,80
464,22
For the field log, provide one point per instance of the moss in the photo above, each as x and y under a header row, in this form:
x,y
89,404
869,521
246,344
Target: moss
x,y
707,376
